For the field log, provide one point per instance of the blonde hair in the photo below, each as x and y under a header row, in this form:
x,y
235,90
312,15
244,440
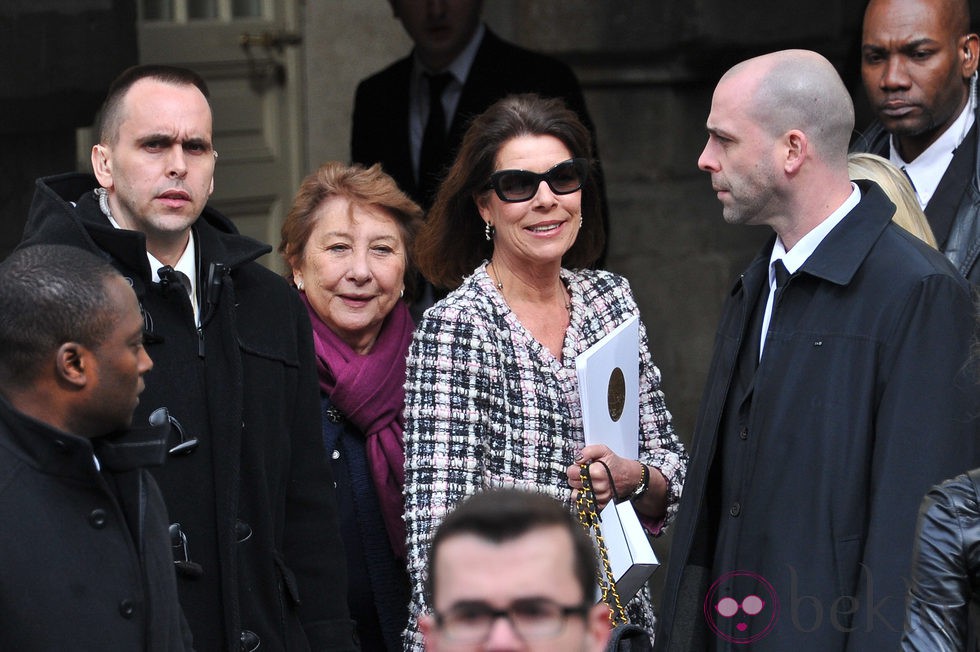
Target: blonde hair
x,y
908,213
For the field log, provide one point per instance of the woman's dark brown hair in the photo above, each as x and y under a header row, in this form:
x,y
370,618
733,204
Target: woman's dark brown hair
x,y
452,243
358,185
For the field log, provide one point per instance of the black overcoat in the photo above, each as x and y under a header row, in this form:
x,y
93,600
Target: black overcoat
x,y
256,498
85,559
862,401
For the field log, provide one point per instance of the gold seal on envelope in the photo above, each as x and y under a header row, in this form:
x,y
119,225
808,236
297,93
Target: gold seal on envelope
x,y
616,394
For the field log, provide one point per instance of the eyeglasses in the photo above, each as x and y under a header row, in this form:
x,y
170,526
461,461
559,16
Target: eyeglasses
x,y
520,185
531,619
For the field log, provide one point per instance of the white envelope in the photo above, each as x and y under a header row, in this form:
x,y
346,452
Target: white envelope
x,y
611,368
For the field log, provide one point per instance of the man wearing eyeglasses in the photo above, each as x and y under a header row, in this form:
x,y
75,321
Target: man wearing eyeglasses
x,y
512,570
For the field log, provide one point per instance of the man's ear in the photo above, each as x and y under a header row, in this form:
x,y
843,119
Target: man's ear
x,y
795,145
72,362
597,626
970,54
102,165
427,626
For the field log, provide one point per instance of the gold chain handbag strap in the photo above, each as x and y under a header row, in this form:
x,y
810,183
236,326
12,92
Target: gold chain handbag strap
x,y
589,517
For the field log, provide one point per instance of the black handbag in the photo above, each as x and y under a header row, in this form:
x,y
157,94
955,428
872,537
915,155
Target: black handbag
x,y
629,638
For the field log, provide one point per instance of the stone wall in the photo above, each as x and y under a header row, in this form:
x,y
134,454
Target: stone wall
x,y
56,59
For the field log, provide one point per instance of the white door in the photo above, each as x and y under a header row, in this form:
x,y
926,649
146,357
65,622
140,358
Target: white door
x,y
247,51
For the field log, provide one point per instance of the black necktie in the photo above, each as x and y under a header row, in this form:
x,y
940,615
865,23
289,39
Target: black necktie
x,y
907,176
782,274
433,153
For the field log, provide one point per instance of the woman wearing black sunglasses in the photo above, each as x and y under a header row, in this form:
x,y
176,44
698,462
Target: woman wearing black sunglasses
x,y
491,391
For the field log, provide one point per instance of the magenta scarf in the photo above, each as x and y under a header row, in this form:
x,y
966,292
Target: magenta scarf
x,y
370,391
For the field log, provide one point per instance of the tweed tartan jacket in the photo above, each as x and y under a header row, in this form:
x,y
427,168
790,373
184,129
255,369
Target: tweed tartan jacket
x,y
487,405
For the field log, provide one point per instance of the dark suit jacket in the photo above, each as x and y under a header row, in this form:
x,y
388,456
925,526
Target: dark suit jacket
x,y
381,105
954,210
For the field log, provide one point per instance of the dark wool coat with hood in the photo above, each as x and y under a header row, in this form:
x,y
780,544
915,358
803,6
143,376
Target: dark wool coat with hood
x,y
255,499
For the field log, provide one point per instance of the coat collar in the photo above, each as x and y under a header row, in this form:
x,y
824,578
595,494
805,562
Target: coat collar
x,y
59,453
54,218
845,248
476,97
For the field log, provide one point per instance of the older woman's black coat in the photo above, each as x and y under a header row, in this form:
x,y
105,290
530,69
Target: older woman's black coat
x,y
256,497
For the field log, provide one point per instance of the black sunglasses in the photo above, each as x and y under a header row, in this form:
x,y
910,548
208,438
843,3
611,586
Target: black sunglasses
x,y
520,185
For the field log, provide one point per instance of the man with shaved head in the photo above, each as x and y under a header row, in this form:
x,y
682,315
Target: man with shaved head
x,y
919,63
836,395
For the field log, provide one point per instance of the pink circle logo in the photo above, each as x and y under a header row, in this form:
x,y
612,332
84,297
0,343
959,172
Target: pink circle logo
x,y
741,607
